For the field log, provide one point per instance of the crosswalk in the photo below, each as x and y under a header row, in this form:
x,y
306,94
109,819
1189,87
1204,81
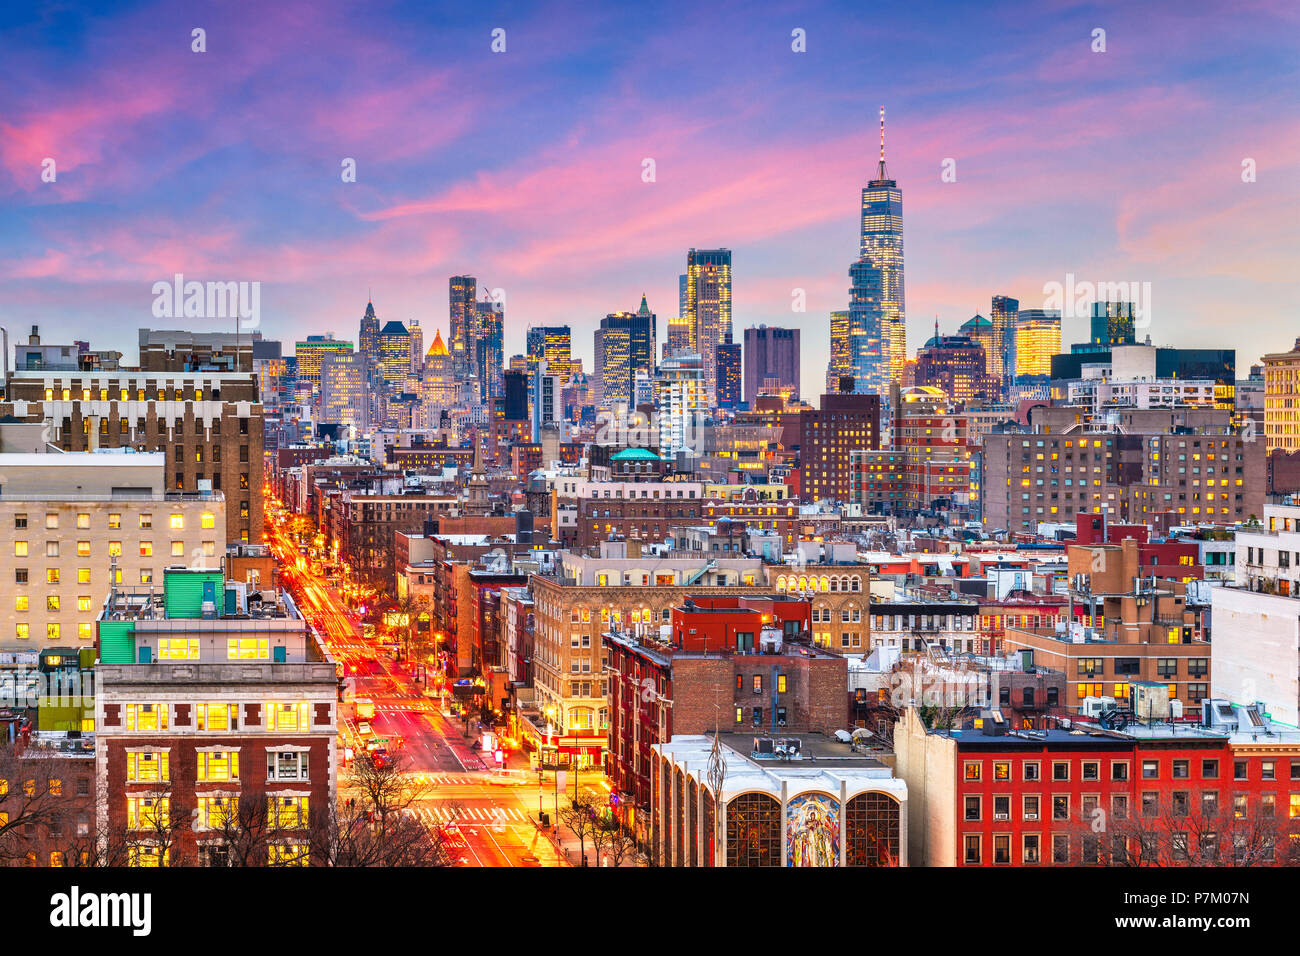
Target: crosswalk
x,y
447,779
437,815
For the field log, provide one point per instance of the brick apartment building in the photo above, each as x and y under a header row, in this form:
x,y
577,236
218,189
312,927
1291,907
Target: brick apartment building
x,y
1146,632
738,663
208,693
1217,790
1189,461
843,423
208,424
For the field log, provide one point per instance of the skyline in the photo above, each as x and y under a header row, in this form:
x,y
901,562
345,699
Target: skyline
x,y
224,165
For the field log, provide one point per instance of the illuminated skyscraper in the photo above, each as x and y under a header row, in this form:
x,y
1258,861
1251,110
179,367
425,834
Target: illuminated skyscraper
x,y
679,336
440,383
625,344
310,353
417,348
1038,338
980,331
680,403
1112,324
462,300
368,340
489,350
1282,400
881,244
1003,315
394,355
729,374
551,344
841,363
867,356
708,306
345,399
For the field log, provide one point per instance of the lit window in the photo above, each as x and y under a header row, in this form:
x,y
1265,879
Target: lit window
x,y
178,648
248,648
83,521
146,717
218,717
287,717
20,603
146,549
83,549
148,767
178,522
218,766
209,520
83,575
20,549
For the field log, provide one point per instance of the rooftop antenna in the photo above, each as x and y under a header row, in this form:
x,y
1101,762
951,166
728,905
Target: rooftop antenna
x,y
881,172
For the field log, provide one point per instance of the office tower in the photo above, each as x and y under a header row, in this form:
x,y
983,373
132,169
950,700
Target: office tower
x,y
1038,338
771,353
881,244
729,375
368,339
489,349
551,344
841,363
417,348
394,355
519,363
980,331
1282,400
462,296
548,401
681,403
708,306
309,355
515,394
682,296
866,349
440,382
679,336
344,396
625,343
1003,314
1112,324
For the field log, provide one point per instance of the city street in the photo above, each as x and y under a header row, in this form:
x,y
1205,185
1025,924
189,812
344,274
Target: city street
x,y
492,817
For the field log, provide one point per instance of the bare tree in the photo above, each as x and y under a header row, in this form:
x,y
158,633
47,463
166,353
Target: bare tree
x,y
580,816
31,800
1173,835
613,842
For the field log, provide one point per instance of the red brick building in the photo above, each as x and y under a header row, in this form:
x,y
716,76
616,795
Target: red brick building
x,y
1161,793
731,665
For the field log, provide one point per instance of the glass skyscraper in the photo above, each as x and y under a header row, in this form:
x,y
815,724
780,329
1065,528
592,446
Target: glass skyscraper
x,y
867,350
462,296
881,244
708,305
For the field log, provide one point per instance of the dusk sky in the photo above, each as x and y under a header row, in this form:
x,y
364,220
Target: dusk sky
x,y
524,168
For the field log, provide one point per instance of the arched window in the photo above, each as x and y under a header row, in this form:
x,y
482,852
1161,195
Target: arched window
x,y
780,583
753,830
679,800
835,585
856,584
825,584
692,841
710,827
871,830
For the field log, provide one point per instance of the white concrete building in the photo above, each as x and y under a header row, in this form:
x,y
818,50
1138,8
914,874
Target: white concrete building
x,y
784,802
1256,636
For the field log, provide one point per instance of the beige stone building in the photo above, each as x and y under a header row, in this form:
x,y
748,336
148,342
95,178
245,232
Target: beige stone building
x,y
618,587
75,524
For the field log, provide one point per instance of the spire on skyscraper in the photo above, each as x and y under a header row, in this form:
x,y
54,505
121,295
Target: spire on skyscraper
x,y
881,174
645,309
